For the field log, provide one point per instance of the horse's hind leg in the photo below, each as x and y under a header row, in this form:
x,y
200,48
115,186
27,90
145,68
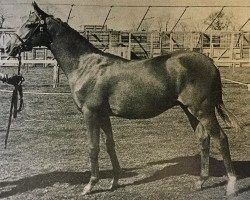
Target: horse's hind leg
x,y
224,148
110,145
209,126
204,139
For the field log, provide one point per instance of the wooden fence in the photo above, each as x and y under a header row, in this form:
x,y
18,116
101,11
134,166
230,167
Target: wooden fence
x,y
225,48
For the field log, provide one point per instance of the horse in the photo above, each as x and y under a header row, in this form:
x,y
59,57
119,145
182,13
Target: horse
x,y
105,85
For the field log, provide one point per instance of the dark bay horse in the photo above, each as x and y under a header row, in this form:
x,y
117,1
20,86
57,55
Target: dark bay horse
x,y
105,85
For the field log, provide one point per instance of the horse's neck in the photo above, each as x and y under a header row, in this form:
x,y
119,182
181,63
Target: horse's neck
x,y
68,46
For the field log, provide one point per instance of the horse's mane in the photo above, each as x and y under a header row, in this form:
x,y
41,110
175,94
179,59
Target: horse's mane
x,y
75,33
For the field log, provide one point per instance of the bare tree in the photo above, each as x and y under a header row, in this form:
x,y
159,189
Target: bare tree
x,y
3,17
162,21
197,25
219,20
146,24
133,25
234,21
183,26
188,26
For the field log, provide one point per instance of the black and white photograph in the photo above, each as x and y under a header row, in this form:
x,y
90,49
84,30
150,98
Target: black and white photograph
x,y
124,99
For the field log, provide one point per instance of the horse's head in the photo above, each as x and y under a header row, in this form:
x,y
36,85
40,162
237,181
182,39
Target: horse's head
x,y
32,33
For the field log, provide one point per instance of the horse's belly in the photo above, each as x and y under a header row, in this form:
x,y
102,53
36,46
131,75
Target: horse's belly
x,y
138,115
141,96
140,107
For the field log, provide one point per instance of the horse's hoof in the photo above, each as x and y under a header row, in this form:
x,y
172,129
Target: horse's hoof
x,y
198,185
231,192
231,187
231,196
86,190
114,185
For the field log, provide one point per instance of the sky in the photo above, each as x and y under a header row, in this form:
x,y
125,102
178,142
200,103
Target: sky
x,y
126,18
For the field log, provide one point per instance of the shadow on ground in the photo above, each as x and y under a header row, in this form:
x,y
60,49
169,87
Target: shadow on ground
x,y
46,180
182,165
190,165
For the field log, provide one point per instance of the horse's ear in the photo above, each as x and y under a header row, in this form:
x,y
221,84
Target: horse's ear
x,y
38,10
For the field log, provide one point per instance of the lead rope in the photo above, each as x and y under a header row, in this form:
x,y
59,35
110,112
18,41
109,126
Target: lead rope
x,y
14,100
19,86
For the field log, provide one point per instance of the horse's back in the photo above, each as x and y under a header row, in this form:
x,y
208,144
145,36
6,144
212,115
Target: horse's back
x,y
147,88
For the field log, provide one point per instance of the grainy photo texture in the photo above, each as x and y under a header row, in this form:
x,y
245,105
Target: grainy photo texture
x,y
124,99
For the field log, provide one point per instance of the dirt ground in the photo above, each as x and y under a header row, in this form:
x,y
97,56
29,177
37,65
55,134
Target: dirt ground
x,y
47,153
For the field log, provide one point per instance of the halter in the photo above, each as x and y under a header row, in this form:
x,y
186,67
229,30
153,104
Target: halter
x,y
18,91
40,24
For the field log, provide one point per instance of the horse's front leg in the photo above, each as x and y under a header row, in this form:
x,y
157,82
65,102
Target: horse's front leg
x,y
93,132
110,144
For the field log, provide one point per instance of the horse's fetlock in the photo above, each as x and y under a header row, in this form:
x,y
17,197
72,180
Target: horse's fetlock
x,y
111,150
223,138
94,179
110,143
204,138
94,150
204,176
204,148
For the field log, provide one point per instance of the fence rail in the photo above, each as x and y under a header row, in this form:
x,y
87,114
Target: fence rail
x,y
29,62
226,48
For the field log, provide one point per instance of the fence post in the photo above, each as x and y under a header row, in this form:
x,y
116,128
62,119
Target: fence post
x,y
110,39
120,37
45,56
201,42
232,51
26,58
129,45
211,46
33,55
191,46
56,76
171,42
160,41
151,45
241,46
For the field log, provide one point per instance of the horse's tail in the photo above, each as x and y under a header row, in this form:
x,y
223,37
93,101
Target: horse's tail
x,y
223,112
228,116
